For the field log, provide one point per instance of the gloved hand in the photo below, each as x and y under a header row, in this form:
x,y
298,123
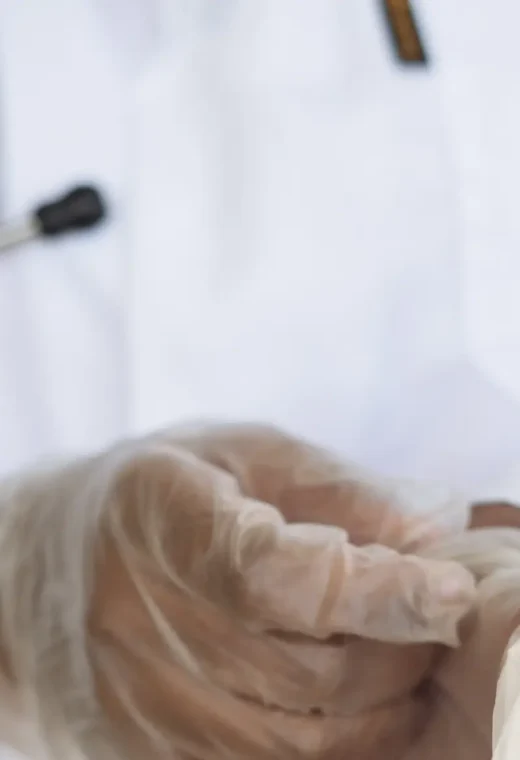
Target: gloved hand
x,y
365,522
228,555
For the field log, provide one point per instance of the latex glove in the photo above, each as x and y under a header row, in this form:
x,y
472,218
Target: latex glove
x,y
215,573
329,585
310,485
446,711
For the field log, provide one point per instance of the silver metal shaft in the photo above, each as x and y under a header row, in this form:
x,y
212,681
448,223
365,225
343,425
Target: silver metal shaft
x,y
18,233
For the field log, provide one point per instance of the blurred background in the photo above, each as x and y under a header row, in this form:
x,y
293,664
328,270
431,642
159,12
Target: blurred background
x,y
313,222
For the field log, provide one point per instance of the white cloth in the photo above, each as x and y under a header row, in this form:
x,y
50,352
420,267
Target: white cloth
x,y
506,723
302,230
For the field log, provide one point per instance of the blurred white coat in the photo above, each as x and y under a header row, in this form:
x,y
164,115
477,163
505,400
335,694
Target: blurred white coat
x,y
303,231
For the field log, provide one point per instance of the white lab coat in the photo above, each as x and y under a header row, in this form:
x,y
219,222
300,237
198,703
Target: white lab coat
x,y
302,230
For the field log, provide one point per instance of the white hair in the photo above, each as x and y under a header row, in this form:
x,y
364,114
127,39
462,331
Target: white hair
x,y
50,523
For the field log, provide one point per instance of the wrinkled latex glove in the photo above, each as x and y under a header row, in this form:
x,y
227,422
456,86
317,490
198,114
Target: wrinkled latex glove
x,y
310,485
317,542
250,548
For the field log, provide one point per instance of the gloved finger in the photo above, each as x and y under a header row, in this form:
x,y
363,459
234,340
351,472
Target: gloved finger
x,y
157,688
309,579
195,528
309,484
